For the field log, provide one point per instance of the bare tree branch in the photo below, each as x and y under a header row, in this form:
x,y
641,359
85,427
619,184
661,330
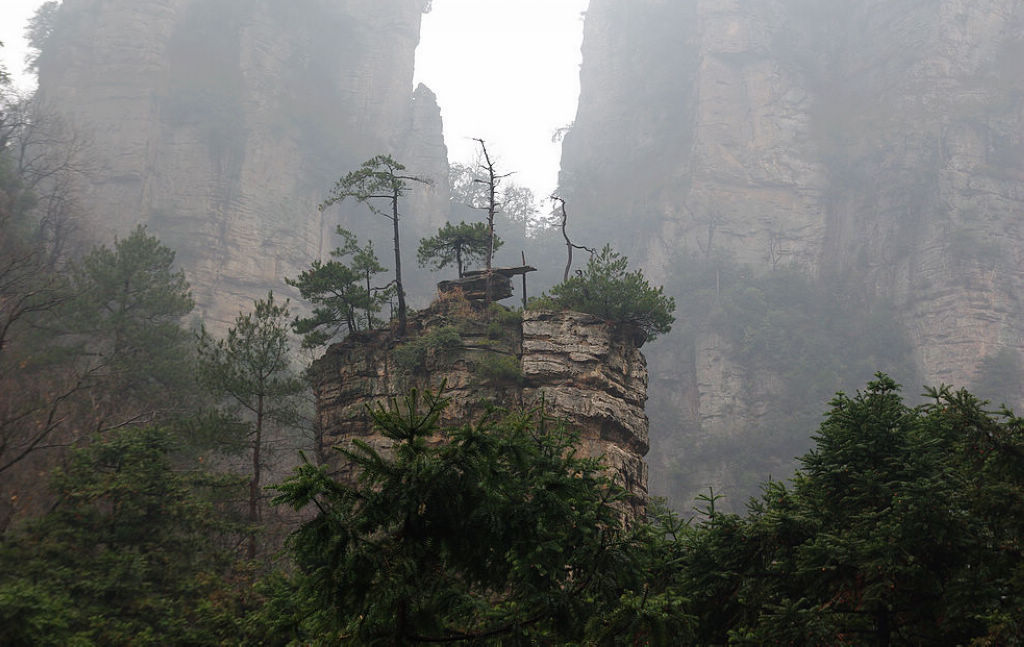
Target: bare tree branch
x,y
569,245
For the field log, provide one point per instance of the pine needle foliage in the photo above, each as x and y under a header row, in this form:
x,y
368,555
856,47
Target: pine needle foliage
x,y
380,180
251,371
902,526
500,533
607,289
129,304
342,293
460,244
136,551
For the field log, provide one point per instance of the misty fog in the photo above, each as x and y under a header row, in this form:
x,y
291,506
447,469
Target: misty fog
x,y
811,194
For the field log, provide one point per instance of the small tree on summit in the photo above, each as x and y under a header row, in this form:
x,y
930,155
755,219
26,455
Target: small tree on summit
x,y
607,289
339,291
366,264
493,206
379,178
569,245
461,244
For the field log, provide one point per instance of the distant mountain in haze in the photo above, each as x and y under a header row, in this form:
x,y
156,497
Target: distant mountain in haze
x,y
221,124
829,187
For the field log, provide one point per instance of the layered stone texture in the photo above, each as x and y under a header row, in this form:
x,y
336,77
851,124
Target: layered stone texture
x,y
221,124
581,369
593,375
879,142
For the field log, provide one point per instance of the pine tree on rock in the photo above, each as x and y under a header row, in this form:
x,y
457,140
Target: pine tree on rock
x,y
607,289
380,179
339,291
460,244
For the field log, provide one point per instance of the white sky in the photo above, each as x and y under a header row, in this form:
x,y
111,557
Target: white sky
x,y
503,70
13,17
506,71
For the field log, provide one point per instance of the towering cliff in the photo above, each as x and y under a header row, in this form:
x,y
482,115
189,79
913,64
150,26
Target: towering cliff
x,y
874,147
221,124
580,368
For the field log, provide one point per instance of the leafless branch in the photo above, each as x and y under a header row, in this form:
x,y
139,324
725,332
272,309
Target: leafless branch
x,y
569,245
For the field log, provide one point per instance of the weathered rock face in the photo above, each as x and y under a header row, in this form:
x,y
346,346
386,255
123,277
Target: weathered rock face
x,y
221,124
593,375
585,371
878,141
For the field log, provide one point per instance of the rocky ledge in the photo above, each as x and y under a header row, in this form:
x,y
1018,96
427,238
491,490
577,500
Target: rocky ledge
x,y
578,367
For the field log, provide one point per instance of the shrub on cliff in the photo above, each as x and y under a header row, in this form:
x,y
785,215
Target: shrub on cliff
x,y
412,355
341,291
607,289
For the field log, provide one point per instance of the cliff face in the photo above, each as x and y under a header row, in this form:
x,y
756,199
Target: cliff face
x,y
593,375
874,145
221,124
583,370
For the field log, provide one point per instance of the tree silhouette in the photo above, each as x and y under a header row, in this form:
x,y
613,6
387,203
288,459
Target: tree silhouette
x,y
380,178
251,369
461,244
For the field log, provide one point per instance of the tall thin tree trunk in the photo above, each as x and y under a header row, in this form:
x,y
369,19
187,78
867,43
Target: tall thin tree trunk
x,y
492,207
568,243
369,303
254,484
523,254
398,267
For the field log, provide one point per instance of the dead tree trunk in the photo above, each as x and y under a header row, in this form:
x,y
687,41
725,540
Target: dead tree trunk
x,y
569,245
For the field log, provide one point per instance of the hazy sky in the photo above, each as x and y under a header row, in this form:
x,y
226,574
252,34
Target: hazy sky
x,y
13,16
503,70
506,71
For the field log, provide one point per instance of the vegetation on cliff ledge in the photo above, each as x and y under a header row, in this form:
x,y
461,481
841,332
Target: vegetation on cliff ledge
x,y
607,289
